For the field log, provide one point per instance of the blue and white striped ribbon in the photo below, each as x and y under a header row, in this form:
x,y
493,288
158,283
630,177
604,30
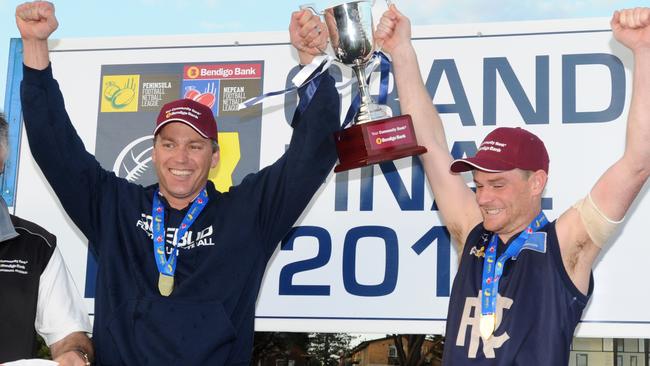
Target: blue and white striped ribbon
x,y
302,79
318,66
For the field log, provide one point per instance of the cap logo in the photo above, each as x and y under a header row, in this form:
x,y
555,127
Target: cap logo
x,y
183,111
495,146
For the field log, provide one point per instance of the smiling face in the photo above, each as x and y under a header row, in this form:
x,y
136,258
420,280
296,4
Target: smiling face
x,y
509,200
183,160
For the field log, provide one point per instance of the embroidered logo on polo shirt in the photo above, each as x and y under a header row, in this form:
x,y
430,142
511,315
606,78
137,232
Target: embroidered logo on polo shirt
x,y
14,266
479,253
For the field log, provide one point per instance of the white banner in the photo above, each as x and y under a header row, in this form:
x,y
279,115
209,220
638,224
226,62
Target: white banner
x,y
370,254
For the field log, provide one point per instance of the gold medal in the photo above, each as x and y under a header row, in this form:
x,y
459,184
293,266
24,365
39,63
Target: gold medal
x,y
165,284
487,325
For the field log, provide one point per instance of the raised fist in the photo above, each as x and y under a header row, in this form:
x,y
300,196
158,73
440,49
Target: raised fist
x,y
36,20
393,30
631,27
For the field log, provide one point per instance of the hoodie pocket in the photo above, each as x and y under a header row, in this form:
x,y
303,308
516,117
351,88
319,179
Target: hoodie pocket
x,y
164,332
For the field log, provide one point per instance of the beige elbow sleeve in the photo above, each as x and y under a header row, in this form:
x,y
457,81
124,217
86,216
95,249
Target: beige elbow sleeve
x,y
598,226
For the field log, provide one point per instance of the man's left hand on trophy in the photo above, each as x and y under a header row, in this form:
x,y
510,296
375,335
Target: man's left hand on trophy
x,y
308,34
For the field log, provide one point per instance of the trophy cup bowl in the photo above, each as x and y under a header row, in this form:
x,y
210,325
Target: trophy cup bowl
x,y
374,136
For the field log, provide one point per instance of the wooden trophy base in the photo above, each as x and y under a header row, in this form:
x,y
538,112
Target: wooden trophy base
x,y
377,141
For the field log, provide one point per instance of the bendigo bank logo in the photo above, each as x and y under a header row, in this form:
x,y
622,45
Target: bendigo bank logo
x,y
192,72
120,93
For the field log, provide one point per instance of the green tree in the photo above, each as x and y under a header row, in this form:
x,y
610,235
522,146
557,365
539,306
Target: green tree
x,y
328,348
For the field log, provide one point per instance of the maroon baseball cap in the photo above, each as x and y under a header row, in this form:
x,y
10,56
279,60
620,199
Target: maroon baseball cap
x,y
504,149
192,113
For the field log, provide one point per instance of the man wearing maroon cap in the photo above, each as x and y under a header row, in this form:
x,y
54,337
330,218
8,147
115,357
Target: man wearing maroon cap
x,y
506,149
184,121
523,282
156,304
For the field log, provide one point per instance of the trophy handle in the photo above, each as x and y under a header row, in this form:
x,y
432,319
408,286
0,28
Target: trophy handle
x,y
388,4
312,8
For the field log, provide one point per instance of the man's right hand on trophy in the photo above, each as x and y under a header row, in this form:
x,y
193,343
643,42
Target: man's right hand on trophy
x,y
393,31
308,35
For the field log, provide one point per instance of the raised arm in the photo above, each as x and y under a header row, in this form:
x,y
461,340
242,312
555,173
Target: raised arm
x,y
455,200
616,189
53,140
283,189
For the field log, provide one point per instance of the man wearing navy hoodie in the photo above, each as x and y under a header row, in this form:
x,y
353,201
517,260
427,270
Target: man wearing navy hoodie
x,y
155,304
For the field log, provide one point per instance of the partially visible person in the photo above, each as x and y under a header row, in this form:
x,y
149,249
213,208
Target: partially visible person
x,y
523,282
180,264
37,293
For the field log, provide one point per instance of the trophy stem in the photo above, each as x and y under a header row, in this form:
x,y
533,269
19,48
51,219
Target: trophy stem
x,y
360,72
366,101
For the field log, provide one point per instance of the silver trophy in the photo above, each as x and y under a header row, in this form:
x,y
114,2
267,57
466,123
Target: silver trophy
x,y
374,136
350,29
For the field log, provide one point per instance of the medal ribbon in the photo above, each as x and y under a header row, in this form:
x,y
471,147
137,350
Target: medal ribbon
x,y
167,266
493,268
304,78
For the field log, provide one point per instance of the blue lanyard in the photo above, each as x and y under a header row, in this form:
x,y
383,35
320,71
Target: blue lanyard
x,y
167,266
493,268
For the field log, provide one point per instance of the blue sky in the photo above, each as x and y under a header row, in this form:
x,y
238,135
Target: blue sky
x,y
92,18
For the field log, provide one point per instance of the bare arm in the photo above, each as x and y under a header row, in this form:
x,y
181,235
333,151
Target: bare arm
x,y
616,189
68,351
36,21
455,200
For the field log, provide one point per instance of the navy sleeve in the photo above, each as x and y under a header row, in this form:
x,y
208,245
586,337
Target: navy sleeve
x,y
74,174
285,188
